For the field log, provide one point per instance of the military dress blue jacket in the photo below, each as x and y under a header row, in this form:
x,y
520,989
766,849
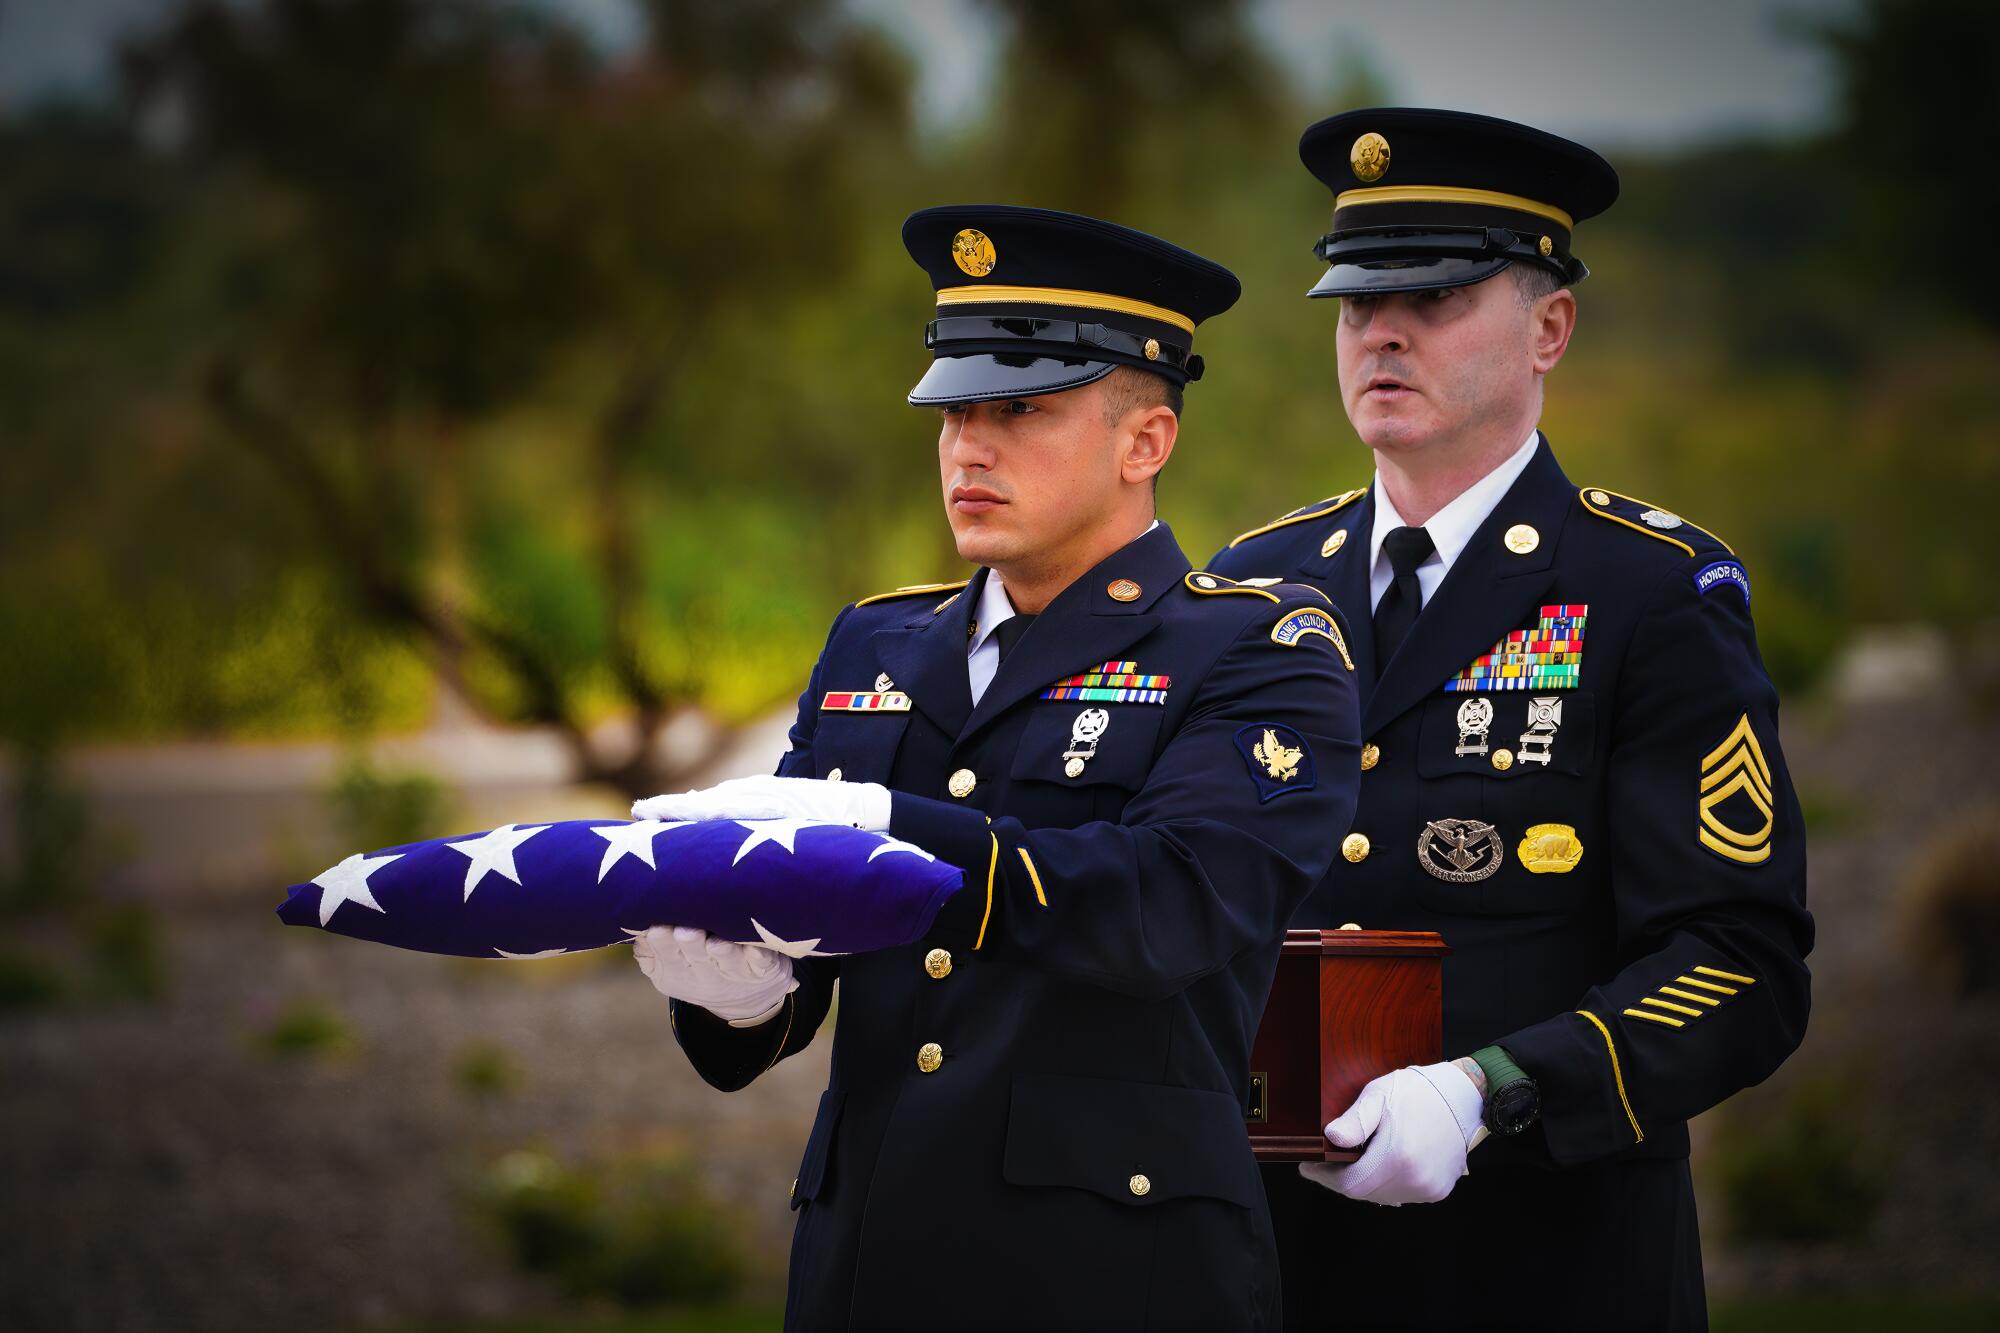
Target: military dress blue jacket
x,y
1034,1117
1627,911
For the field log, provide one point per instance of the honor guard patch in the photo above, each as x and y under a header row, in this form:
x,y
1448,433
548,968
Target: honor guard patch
x,y
1111,683
1722,574
1278,759
1297,625
1736,810
1547,657
865,701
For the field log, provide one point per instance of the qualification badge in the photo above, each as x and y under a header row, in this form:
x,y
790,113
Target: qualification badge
x,y
1545,714
1084,734
1462,851
1550,849
1475,716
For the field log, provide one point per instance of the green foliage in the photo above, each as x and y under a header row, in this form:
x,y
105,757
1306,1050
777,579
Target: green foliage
x,y
485,1069
27,982
431,347
127,956
1807,1173
1870,1313
308,1030
372,809
637,1230
51,848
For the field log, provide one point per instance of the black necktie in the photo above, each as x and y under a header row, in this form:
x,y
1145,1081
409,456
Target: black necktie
x,y
1406,548
1009,631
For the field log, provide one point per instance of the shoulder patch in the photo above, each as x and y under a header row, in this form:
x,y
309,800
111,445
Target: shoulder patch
x,y
1278,758
1294,626
1316,510
913,590
1722,574
1659,524
1215,585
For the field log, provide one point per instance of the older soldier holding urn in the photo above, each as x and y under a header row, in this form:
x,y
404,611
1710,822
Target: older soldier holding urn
x,y
1572,772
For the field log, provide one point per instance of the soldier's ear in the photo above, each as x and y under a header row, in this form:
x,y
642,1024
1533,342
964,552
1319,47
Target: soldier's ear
x,y
1553,321
1146,441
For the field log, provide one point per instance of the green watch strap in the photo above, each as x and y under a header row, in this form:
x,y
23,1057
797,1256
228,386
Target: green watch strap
x,y
1498,1066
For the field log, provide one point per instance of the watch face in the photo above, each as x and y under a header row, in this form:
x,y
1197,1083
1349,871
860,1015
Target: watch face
x,y
1513,1108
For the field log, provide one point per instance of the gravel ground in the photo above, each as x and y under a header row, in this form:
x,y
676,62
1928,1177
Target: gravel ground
x,y
167,1173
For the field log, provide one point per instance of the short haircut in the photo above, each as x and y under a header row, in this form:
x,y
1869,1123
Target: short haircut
x,y
1127,387
1532,282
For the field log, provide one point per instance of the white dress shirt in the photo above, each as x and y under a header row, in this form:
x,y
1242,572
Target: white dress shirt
x,y
982,654
1450,527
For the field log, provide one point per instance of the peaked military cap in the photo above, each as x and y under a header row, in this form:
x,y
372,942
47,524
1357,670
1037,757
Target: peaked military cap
x,y
1031,301
1429,199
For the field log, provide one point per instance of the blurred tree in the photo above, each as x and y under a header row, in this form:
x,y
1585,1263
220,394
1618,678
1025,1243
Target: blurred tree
x,y
1918,105
1096,105
461,216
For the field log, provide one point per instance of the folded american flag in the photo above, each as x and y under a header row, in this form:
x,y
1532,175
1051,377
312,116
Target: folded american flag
x,y
534,890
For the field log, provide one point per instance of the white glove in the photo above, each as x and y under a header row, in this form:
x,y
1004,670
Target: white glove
x,y
744,983
1422,1119
865,805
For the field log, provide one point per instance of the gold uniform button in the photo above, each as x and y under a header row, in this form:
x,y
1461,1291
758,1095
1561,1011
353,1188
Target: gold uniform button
x,y
793,1193
833,775
962,783
1600,497
1371,755
929,1056
1503,760
1140,1186
1355,847
938,963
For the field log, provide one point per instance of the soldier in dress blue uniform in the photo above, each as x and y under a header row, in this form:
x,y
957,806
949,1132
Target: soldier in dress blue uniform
x,y
1035,1115
1572,771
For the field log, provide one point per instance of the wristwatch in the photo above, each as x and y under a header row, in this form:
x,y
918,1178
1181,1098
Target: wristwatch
x,y
1513,1101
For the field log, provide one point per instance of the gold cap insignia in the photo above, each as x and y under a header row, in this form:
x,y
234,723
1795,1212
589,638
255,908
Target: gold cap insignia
x,y
1547,247
1123,590
973,252
1550,849
1152,349
1333,543
1522,539
1369,157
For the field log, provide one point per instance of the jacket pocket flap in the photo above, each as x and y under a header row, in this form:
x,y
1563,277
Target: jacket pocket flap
x,y
1056,740
819,1145
1133,1143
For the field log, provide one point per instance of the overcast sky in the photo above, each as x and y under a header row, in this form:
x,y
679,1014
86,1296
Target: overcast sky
x,y
1616,72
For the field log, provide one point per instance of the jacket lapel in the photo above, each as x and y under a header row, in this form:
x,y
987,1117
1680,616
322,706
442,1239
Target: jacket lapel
x,y
1489,590
926,658
1084,625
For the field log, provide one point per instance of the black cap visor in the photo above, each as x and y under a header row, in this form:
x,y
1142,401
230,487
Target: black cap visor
x,y
1405,275
985,377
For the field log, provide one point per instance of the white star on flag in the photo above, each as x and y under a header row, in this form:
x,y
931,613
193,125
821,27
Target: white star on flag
x,y
348,883
493,851
635,839
780,831
789,948
891,845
